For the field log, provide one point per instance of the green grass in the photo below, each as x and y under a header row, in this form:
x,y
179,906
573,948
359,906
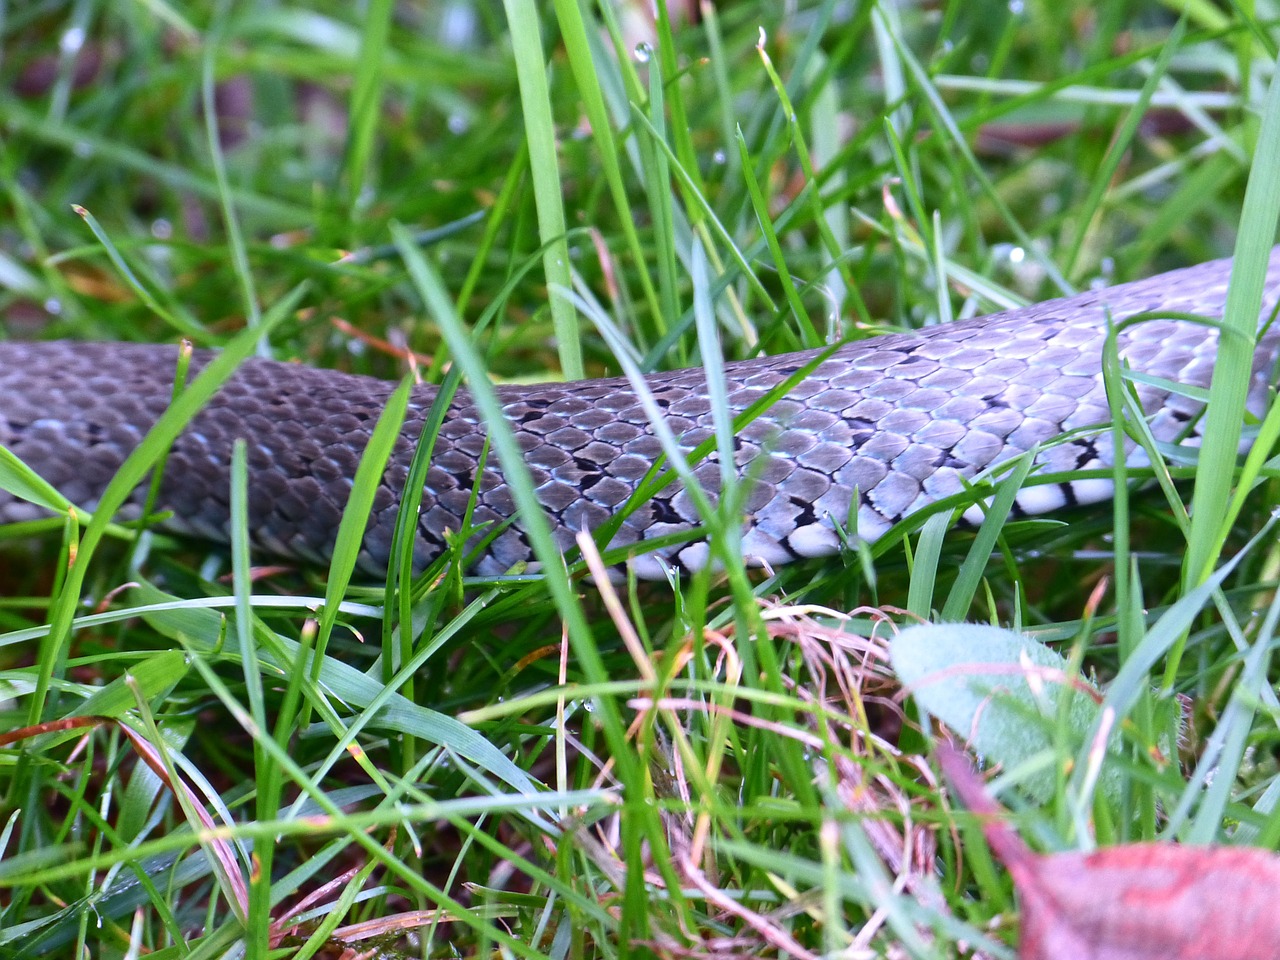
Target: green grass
x,y
284,764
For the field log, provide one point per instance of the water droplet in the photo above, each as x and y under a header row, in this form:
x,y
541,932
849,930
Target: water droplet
x,y
161,229
459,26
1017,7
72,40
1106,274
1017,255
53,306
720,157
644,52
458,123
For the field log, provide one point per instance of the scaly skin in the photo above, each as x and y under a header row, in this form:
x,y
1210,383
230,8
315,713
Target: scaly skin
x,y
893,423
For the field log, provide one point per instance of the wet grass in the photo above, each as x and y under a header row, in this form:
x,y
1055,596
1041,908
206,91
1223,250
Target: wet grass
x,y
208,757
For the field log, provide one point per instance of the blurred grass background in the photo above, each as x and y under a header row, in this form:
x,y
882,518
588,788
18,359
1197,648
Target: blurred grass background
x,y
847,168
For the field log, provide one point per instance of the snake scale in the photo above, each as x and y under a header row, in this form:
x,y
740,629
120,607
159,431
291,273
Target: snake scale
x,y
879,429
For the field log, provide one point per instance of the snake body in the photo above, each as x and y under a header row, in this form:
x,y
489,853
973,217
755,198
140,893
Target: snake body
x,y
872,433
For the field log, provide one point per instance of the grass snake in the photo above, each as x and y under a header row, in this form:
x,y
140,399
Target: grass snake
x,y
877,430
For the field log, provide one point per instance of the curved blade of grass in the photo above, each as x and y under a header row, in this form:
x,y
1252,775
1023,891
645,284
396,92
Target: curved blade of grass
x,y
540,131
681,131
699,204
586,74
923,564
643,824
25,484
230,221
994,518
355,515
131,473
178,320
267,776
657,176
533,519
200,627
366,100
1232,371
761,207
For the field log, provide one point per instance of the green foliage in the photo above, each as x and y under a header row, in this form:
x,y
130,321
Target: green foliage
x,y
288,763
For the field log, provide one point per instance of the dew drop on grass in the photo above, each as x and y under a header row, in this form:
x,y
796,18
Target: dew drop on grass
x,y
643,52
72,40
459,26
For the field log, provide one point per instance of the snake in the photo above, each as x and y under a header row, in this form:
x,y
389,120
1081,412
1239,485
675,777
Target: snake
x,y
829,445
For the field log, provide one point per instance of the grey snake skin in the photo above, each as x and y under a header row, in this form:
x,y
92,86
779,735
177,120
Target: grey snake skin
x,y
878,430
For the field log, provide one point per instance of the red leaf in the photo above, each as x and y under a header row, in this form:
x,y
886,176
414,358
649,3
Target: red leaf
x,y
1142,901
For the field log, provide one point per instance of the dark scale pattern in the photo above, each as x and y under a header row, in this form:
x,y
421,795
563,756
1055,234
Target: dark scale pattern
x,y
896,421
